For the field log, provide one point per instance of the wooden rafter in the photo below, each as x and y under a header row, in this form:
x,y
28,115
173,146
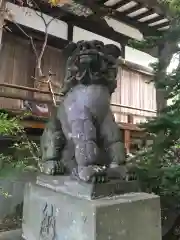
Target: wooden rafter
x,y
155,5
152,8
143,15
123,16
155,19
102,10
120,4
161,25
95,23
133,9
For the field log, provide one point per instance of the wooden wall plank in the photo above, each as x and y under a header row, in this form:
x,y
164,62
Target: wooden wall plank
x,y
17,66
134,90
14,66
52,61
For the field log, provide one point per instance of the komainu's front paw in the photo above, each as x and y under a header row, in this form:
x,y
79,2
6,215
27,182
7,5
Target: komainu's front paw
x,y
118,172
93,173
53,168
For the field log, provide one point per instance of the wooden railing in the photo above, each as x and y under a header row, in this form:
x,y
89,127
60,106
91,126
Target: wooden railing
x,y
133,108
25,98
59,97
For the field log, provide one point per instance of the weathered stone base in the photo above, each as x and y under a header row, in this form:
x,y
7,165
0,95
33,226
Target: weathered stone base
x,y
50,215
11,235
65,184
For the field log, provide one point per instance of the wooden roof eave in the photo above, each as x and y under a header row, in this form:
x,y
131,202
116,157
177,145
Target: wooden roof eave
x,y
158,7
102,9
97,10
95,22
101,12
136,67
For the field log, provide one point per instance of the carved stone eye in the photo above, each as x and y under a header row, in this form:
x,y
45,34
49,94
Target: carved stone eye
x,y
99,47
88,46
80,47
84,46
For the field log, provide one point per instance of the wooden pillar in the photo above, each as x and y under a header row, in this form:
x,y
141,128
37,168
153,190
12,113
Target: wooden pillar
x,y
127,140
70,32
127,134
123,50
2,16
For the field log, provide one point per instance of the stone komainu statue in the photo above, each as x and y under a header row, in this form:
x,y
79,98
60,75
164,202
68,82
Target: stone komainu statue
x,y
82,138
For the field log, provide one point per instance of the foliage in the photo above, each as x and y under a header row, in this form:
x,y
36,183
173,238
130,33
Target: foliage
x,y
158,167
173,5
23,153
165,128
9,125
161,178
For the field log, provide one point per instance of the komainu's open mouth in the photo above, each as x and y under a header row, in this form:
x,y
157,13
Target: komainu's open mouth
x,y
90,55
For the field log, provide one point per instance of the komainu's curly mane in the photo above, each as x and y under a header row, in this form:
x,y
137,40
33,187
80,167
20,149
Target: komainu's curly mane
x,y
91,62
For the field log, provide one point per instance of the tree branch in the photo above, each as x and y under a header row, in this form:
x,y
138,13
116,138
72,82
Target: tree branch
x,y
46,24
30,38
39,55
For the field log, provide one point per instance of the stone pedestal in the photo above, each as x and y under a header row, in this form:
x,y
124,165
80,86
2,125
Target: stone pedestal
x,y
55,215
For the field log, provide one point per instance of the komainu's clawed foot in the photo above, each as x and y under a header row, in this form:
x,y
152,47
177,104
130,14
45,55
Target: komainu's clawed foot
x,y
93,173
118,172
53,168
